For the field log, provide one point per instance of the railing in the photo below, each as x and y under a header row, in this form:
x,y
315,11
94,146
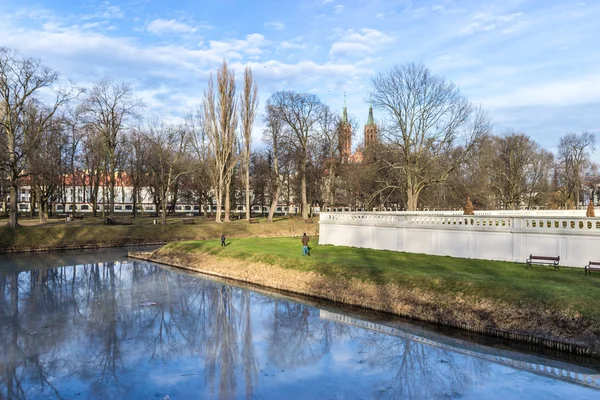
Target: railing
x,y
541,224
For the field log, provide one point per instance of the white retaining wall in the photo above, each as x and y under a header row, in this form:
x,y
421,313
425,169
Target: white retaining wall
x,y
576,239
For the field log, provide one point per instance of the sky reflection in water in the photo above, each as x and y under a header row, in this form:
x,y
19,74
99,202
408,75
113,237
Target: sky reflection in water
x,y
133,330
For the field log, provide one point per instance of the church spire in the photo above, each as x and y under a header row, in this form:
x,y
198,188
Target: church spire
x,y
345,113
370,120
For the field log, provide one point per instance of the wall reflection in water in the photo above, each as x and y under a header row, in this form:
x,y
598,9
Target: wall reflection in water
x,y
134,330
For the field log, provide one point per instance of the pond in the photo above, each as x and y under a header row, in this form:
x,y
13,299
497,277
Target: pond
x,y
99,326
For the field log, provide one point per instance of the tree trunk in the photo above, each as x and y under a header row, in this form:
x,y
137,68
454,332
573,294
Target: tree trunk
x,y
274,202
164,207
227,204
304,200
248,192
412,196
13,216
219,197
32,199
42,209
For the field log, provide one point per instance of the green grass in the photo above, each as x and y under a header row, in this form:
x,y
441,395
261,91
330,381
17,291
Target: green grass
x,y
92,231
567,290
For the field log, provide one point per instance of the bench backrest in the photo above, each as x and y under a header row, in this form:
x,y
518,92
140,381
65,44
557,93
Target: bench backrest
x,y
532,257
594,263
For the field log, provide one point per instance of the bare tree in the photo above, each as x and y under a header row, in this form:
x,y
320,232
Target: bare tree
x,y
45,167
427,118
107,109
220,122
93,161
273,135
514,167
574,157
300,112
21,80
248,105
167,147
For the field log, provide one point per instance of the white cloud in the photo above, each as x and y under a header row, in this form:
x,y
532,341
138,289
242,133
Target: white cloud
x,y
365,41
163,26
278,26
252,45
105,11
338,8
327,1
485,22
289,44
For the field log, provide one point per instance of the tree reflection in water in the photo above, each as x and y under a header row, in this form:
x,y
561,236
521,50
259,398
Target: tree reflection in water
x,y
419,371
112,330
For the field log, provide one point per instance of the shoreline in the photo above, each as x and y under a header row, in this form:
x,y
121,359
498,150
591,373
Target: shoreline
x,y
79,247
539,327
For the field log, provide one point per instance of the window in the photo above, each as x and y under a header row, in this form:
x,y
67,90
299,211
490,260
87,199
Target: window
x,y
59,207
84,207
129,208
118,208
178,208
149,208
98,207
196,208
70,207
188,208
23,206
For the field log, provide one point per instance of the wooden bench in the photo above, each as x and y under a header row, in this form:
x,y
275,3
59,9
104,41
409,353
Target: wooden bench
x,y
592,266
78,216
253,221
545,260
188,221
61,216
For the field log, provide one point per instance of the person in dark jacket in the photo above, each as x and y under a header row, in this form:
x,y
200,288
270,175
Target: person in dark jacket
x,y
223,239
305,240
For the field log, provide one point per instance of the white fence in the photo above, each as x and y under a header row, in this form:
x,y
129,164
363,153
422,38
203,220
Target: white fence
x,y
576,239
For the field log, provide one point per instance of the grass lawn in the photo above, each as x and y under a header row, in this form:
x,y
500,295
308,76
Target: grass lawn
x,y
567,290
91,231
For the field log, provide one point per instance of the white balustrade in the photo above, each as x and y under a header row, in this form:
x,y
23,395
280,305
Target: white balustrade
x,y
493,236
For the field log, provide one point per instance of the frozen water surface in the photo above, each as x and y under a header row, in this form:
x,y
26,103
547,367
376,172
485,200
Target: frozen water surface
x,y
98,326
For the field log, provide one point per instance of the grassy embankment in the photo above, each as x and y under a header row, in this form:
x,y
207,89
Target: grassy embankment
x,y
558,305
91,232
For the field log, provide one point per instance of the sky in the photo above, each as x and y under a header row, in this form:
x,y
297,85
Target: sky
x,y
533,65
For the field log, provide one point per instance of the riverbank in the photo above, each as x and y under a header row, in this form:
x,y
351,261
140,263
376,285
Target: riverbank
x,y
91,232
557,309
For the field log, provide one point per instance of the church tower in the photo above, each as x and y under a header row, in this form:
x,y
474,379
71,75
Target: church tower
x,y
371,131
345,135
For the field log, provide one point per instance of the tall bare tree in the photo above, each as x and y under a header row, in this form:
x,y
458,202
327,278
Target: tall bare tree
x,y
248,105
45,166
167,147
220,122
300,112
107,109
574,157
272,136
427,118
21,80
512,176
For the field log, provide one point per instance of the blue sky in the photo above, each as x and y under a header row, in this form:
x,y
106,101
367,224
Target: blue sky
x,y
533,65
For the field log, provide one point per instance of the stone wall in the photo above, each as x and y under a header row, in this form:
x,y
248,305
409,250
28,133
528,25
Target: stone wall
x,y
576,239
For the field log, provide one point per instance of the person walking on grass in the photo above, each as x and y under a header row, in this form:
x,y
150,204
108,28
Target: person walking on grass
x,y
223,239
305,240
